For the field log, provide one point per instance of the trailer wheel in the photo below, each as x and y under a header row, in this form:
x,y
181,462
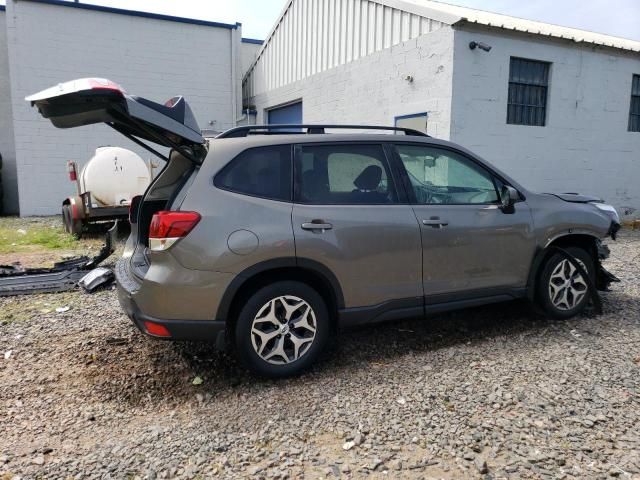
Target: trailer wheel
x,y
71,225
1,189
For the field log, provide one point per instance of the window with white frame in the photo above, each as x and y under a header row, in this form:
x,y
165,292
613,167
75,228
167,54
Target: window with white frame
x,y
415,121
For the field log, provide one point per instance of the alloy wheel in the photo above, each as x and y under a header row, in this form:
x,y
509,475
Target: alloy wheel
x,y
283,330
567,287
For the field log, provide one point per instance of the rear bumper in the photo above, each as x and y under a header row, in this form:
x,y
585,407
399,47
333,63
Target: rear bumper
x,y
203,330
158,302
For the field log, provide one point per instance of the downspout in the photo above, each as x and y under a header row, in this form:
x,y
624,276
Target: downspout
x,y
236,89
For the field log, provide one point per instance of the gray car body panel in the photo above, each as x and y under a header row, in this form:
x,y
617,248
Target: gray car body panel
x,y
379,261
381,257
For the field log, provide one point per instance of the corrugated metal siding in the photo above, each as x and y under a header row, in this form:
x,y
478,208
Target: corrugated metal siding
x,y
316,35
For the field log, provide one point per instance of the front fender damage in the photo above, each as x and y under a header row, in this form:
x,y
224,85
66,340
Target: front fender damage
x,y
604,278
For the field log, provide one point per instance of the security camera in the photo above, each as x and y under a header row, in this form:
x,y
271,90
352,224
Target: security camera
x,y
480,45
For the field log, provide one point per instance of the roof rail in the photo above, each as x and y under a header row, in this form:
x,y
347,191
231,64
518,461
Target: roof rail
x,y
287,129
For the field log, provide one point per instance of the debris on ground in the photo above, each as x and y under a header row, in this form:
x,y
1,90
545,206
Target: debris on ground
x,y
96,278
348,445
63,276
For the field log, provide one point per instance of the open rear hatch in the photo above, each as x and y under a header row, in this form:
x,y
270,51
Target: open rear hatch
x,y
96,100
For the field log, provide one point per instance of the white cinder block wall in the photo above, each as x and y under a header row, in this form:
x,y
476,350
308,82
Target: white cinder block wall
x,y
9,178
585,146
248,51
372,89
153,58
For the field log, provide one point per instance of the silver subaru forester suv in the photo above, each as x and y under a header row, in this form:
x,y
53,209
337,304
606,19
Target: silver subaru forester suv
x,y
269,239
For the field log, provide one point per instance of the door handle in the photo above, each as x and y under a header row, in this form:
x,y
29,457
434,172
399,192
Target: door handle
x,y
317,225
435,222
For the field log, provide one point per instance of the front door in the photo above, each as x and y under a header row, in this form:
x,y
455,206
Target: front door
x,y
347,216
469,245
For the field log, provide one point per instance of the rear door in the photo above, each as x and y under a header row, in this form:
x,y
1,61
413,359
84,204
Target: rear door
x,y
469,244
94,100
348,216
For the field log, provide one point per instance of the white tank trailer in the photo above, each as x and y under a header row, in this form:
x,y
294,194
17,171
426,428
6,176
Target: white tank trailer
x,y
105,187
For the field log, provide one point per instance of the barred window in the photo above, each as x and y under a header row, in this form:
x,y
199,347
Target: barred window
x,y
528,83
634,112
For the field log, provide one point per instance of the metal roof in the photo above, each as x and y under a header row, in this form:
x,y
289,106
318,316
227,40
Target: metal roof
x,y
455,15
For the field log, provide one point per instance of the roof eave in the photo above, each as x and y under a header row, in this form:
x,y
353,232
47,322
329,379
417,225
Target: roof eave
x,y
464,21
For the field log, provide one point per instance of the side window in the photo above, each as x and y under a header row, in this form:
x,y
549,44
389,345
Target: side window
x,y
439,176
344,174
260,172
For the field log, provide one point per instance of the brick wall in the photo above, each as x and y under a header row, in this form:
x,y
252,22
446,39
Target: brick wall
x,y
154,58
373,90
584,147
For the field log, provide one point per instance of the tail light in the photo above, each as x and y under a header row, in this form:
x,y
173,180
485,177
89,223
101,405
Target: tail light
x,y
156,329
71,169
168,227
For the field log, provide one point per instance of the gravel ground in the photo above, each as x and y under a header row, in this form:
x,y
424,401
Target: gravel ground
x,y
494,392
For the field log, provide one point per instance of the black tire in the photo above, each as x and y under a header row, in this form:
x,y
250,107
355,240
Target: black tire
x,y
1,195
543,291
66,218
245,339
1,189
71,226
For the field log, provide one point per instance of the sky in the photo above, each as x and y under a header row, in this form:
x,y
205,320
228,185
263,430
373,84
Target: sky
x,y
614,17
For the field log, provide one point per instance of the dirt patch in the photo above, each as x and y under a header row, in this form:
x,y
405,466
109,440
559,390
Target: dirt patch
x,y
41,241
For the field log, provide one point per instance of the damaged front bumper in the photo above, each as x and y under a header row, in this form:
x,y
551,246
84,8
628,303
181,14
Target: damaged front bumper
x,y
604,278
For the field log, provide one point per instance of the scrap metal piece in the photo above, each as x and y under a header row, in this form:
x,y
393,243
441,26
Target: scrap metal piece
x,y
97,277
63,276
40,283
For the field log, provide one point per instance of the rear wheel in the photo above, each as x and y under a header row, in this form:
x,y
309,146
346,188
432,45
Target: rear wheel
x,y
282,329
1,190
71,225
562,290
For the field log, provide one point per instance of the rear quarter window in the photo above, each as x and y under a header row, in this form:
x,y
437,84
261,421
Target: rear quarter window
x,y
260,172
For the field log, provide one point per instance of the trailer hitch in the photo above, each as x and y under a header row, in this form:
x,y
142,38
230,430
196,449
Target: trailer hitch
x,y
63,276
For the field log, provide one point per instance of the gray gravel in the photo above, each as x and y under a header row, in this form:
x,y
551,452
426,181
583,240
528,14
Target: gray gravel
x,y
494,392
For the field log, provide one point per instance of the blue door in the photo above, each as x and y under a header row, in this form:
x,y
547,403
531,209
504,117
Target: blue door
x,y
289,114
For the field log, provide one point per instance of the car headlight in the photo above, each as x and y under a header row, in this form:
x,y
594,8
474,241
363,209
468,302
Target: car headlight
x,y
609,210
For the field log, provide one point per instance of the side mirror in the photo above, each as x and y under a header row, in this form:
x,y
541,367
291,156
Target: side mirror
x,y
508,197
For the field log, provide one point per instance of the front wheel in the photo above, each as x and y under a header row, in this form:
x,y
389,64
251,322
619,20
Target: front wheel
x,y
562,290
282,329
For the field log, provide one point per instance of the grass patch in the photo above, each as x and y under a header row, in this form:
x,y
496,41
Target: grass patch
x,y
37,237
38,234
